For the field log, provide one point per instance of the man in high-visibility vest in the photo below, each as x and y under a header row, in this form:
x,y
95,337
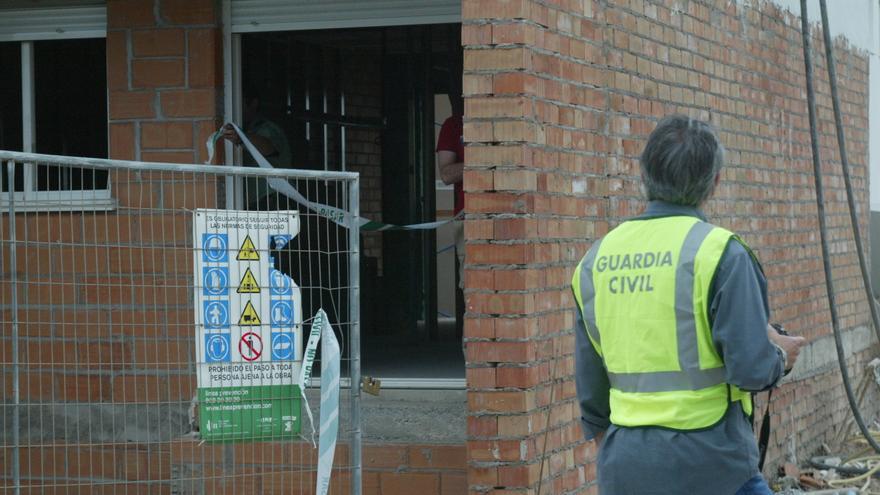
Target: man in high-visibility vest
x,y
672,334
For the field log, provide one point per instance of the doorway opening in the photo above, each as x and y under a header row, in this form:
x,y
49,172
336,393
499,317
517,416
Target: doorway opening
x,y
371,100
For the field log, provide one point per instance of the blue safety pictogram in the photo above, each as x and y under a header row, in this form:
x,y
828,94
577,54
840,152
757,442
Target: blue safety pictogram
x,y
281,313
215,248
279,282
282,346
278,241
216,314
215,280
217,347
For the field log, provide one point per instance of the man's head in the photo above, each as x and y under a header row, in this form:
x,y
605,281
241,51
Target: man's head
x,y
250,105
682,161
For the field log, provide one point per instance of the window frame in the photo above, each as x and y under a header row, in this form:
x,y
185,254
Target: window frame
x,y
30,199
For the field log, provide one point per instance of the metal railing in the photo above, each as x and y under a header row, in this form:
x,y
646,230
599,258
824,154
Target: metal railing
x,y
122,329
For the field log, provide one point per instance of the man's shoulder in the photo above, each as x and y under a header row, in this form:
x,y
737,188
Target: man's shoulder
x,y
453,121
738,253
266,128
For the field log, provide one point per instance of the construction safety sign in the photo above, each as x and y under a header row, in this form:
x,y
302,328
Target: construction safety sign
x,y
248,320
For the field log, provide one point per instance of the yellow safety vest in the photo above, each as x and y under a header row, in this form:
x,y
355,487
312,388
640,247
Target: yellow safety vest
x,y
643,291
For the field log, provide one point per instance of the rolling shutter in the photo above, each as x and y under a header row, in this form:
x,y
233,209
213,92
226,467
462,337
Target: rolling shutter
x,y
292,15
56,21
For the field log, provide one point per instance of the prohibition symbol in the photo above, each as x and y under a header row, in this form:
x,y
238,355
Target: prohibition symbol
x,y
250,346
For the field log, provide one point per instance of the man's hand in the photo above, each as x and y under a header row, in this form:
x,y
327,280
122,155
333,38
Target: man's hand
x,y
790,344
598,438
229,134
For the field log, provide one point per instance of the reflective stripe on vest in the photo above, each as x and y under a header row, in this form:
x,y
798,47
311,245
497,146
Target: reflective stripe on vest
x,y
703,386
585,295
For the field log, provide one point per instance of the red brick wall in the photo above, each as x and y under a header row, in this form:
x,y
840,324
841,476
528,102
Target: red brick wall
x,y
165,80
188,466
560,99
105,298
164,76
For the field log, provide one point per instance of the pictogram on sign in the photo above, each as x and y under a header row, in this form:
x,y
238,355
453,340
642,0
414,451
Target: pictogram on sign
x,y
278,241
217,347
281,313
250,346
248,284
216,314
247,251
249,317
214,248
282,346
215,280
279,282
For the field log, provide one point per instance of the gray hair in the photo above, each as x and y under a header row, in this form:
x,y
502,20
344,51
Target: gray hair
x,y
681,160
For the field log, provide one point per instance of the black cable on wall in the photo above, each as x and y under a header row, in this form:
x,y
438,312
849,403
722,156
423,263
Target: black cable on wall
x,y
820,202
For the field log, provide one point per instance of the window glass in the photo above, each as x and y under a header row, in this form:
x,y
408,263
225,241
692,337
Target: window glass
x,y
71,110
10,106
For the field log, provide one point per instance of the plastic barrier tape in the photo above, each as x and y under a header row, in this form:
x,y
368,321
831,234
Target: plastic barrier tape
x,y
330,358
336,215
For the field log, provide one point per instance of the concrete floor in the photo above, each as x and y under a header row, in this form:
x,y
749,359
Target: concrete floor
x,y
387,358
403,416
413,355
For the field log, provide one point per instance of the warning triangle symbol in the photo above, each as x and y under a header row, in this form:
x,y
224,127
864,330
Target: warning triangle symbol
x,y
248,284
247,251
249,317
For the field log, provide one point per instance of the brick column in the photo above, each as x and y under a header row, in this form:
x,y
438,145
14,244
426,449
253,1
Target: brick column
x,y
164,75
534,181
164,80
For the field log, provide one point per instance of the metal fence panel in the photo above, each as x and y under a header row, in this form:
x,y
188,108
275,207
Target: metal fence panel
x,y
101,311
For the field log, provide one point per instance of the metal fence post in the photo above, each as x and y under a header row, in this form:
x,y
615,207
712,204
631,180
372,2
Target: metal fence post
x,y
354,335
16,391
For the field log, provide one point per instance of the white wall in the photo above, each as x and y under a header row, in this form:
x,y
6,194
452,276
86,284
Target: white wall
x,y
859,22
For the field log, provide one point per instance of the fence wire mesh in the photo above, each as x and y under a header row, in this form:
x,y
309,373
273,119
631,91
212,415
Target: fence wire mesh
x,y
107,326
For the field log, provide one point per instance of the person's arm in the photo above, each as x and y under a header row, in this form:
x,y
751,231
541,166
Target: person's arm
x,y
451,170
263,144
739,314
591,382
789,346
450,165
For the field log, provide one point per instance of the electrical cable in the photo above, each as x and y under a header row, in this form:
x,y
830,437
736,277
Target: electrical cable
x,y
844,163
867,474
820,202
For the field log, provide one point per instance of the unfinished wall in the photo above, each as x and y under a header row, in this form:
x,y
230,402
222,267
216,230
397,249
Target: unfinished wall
x,y
560,99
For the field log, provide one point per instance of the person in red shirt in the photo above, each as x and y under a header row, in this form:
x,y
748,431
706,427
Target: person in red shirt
x,y
450,156
450,161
